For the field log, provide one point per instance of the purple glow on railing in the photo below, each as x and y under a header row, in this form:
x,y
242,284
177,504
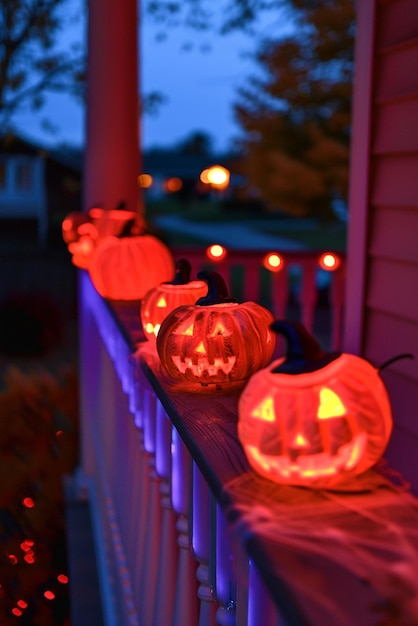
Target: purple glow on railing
x,y
259,600
149,404
180,474
200,517
163,442
224,576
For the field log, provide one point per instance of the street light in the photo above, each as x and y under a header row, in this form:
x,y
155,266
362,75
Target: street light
x,y
217,176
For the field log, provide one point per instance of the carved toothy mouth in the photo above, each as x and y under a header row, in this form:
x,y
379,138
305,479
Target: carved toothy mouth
x,y
204,366
311,467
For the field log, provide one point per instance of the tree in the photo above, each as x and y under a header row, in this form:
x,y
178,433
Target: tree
x,y
198,143
295,112
31,60
296,115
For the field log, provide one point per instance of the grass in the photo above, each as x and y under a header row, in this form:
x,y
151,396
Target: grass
x,y
315,235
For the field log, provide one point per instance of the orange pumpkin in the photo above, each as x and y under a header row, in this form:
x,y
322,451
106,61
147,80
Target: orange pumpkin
x,y
216,341
126,267
313,419
166,297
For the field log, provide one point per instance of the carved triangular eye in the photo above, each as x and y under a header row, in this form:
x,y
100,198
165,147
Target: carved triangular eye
x,y
186,329
218,330
162,303
330,405
265,410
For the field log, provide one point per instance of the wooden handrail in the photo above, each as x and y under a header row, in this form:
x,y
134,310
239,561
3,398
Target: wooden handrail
x,y
171,490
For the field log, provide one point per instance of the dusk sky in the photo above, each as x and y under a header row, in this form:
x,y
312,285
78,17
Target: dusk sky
x,y
198,73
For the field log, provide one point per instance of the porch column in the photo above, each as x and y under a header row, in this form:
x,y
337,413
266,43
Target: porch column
x,y
112,156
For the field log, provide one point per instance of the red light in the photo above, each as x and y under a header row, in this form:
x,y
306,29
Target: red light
x,y
216,252
273,262
63,579
22,604
329,261
17,612
173,184
29,558
28,503
49,595
12,558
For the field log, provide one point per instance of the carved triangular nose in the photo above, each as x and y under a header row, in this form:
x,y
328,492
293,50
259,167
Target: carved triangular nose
x,y
299,442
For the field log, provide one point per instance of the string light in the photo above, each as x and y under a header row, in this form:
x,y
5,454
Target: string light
x,y
273,262
29,503
63,579
49,595
329,261
216,252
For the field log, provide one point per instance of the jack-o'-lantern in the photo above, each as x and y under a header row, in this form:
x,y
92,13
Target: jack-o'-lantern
x,y
126,267
82,250
311,418
216,341
166,297
71,226
111,221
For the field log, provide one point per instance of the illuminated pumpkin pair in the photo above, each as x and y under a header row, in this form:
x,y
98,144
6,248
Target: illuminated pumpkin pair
x,y
126,267
216,341
314,419
161,300
83,232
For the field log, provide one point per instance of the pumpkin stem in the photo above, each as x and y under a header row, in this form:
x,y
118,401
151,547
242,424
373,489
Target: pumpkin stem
x,y
183,270
303,353
128,229
217,289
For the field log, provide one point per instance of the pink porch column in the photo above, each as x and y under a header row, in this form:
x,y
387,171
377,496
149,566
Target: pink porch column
x,y
112,157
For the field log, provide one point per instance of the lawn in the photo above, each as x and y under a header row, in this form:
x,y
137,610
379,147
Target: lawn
x,y
314,234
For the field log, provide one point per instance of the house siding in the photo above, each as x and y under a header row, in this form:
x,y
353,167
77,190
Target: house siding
x,y
390,303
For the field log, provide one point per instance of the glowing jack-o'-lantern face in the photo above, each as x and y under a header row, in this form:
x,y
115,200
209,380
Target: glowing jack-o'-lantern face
x,y
161,300
317,427
216,341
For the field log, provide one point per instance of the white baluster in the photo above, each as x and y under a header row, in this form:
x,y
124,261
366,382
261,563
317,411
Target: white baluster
x,y
225,582
186,609
308,295
201,547
260,603
251,280
150,561
169,549
337,307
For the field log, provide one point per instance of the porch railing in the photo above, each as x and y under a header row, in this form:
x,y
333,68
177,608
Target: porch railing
x,y
186,534
300,289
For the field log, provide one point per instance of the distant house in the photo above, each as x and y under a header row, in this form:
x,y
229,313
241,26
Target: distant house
x,y
38,187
